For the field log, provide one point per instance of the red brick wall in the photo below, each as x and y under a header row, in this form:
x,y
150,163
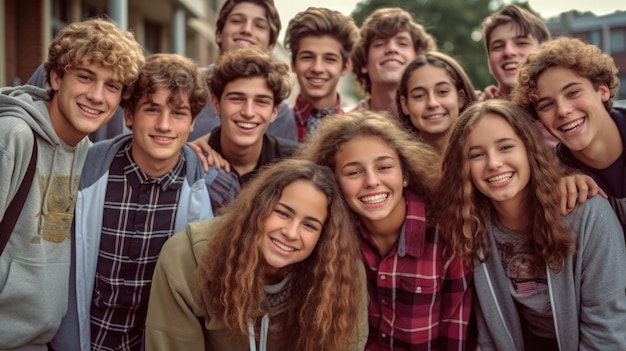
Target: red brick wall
x,y
29,37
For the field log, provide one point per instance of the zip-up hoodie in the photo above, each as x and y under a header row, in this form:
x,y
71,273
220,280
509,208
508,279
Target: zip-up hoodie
x,y
587,296
34,266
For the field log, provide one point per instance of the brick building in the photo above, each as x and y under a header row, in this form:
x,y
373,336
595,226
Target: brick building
x,y
28,26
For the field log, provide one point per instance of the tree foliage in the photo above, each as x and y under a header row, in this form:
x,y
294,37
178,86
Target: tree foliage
x,y
455,24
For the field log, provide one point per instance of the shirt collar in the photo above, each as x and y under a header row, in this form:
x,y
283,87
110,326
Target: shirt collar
x,y
303,109
171,180
414,224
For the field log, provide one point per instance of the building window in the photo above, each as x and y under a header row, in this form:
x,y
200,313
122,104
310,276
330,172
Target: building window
x,y
153,37
595,38
618,40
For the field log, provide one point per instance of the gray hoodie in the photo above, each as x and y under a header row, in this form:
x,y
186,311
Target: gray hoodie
x,y
587,296
34,266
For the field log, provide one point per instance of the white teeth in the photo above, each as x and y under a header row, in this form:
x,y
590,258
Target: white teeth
x,y
89,110
392,64
510,66
162,138
374,198
283,246
318,80
500,178
571,126
247,125
434,116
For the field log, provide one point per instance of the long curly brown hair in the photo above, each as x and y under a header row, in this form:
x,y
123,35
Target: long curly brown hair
x,y
322,309
462,212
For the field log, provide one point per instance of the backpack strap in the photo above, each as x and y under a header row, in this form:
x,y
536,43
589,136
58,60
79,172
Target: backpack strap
x,y
15,207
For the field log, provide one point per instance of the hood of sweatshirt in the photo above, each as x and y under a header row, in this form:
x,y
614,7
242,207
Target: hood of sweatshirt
x,y
29,104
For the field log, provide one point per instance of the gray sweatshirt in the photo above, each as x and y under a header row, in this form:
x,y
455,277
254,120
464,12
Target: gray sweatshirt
x,y
34,266
588,296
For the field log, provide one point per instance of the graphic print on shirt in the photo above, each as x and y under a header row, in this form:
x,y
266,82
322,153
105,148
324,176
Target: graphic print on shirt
x,y
57,206
520,267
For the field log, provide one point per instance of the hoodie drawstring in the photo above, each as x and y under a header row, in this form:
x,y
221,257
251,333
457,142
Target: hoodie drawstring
x,y
44,205
265,326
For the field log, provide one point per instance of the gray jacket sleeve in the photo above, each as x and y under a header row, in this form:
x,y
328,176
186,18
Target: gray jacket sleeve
x,y
602,265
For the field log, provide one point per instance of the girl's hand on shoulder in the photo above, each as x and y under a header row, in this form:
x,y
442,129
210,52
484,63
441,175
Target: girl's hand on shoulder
x,y
576,189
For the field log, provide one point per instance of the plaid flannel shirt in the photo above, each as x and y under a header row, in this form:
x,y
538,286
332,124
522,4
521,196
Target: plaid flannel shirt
x,y
420,297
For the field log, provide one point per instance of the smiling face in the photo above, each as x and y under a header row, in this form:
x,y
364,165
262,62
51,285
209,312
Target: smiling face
x,y
571,109
160,130
246,109
85,98
387,58
318,65
293,228
370,175
498,161
433,101
506,50
246,25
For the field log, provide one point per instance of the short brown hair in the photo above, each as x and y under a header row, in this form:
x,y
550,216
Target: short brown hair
x,y
317,22
385,23
250,62
96,40
271,13
585,60
525,21
179,74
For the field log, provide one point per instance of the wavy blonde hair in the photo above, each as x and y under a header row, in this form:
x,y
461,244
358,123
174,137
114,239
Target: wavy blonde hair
x,y
322,309
96,40
419,160
462,211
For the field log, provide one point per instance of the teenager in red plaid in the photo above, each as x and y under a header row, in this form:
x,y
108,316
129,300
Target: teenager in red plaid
x,y
420,295
321,42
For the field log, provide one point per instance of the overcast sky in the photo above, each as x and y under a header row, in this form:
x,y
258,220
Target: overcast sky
x,y
546,8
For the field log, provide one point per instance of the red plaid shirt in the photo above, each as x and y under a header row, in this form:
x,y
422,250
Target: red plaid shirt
x,y
302,110
419,297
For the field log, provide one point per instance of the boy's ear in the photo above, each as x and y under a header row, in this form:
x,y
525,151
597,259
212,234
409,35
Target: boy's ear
x,y
215,105
55,80
275,113
605,92
347,67
128,117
